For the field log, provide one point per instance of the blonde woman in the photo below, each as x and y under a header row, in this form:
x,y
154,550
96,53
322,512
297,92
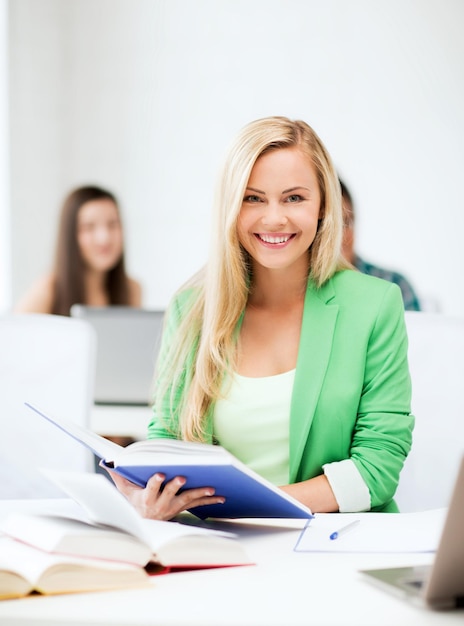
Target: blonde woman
x,y
279,351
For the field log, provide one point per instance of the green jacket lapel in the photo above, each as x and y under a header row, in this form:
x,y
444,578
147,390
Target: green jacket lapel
x,y
317,332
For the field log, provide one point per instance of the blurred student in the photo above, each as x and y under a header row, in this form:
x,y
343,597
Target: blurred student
x,y
89,260
410,299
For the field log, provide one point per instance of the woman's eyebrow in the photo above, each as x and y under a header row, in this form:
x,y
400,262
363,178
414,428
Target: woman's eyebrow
x,y
284,191
295,188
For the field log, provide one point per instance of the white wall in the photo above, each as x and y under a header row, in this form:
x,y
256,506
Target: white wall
x,y
143,96
5,260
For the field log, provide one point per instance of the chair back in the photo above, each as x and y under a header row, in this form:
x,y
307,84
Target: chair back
x,y
47,360
436,361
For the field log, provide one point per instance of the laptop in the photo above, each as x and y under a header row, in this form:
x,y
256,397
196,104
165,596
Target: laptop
x,y
441,584
127,347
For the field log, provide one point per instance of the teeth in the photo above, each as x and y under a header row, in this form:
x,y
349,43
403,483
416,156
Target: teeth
x,y
269,239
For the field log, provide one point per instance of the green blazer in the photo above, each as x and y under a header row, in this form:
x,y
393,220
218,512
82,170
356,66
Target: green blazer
x,y
352,391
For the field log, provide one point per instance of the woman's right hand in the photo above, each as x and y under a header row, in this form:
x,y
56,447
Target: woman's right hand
x,y
163,502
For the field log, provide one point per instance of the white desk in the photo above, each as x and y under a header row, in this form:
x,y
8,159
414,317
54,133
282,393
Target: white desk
x,y
285,588
125,421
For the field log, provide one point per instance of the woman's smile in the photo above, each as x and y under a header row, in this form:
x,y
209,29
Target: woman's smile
x,y
275,240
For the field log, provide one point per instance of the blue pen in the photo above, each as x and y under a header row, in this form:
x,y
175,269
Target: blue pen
x,y
344,529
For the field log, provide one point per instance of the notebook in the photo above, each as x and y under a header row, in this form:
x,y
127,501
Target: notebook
x,y
127,347
441,584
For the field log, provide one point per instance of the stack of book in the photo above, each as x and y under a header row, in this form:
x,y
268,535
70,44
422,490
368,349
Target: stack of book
x,y
106,545
25,570
110,545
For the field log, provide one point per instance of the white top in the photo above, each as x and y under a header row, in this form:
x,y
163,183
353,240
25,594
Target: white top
x,y
252,422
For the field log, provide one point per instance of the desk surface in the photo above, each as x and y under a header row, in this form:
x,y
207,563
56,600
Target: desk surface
x,y
284,588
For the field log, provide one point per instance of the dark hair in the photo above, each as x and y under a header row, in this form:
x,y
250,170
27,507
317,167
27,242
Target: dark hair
x,y
345,192
69,265
348,212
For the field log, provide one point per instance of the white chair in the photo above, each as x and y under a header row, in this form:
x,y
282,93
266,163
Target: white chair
x,y
436,359
47,360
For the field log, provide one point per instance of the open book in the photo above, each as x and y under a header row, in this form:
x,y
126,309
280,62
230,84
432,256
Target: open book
x,y
203,465
24,570
110,529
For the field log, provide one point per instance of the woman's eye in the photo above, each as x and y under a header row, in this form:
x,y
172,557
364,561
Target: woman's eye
x,y
85,228
294,198
252,199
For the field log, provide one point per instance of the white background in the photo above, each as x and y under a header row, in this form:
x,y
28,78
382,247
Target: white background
x,y
144,96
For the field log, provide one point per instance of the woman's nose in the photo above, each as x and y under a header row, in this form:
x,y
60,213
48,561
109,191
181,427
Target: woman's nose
x,y
274,215
102,234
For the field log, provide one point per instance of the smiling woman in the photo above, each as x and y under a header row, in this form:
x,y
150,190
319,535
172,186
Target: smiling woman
x,y
278,350
89,261
277,214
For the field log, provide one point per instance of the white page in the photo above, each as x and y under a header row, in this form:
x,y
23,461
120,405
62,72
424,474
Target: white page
x,y
104,504
31,563
375,532
101,501
103,448
168,451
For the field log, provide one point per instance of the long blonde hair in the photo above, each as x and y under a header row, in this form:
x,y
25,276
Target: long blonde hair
x,y
202,352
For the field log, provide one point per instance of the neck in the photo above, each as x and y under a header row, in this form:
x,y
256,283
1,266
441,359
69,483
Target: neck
x,y
278,289
95,288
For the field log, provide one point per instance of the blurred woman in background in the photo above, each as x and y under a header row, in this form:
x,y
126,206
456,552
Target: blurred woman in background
x,y
89,261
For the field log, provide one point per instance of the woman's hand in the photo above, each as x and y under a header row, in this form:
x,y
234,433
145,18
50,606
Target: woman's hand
x,y
164,503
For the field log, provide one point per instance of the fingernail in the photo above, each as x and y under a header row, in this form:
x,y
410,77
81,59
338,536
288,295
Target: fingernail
x,y
209,492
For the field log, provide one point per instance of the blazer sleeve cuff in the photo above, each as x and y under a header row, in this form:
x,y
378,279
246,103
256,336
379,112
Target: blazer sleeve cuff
x,y
350,490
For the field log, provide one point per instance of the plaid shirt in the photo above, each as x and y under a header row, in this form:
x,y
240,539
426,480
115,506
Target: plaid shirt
x,y
411,301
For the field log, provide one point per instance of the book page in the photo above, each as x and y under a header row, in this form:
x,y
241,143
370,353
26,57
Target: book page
x,y
101,501
65,535
101,447
167,449
104,504
58,573
162,450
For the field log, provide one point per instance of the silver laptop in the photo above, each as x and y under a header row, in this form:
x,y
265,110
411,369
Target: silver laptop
x,y
127,347
440,585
